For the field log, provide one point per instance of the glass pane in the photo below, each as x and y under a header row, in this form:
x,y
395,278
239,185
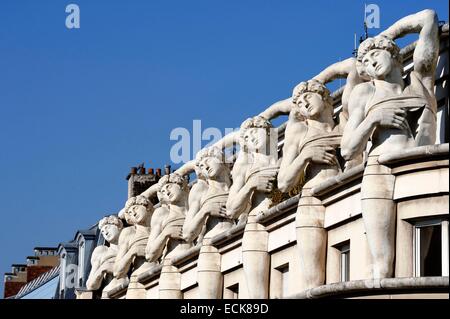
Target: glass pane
x,y
430,251
285,280
345,265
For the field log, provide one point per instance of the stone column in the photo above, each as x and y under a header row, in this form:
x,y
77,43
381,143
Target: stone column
x,y
169,281
256,259
311,240
136,290
209,275
379,215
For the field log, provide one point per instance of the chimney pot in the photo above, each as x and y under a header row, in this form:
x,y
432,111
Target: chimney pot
x,y
133,170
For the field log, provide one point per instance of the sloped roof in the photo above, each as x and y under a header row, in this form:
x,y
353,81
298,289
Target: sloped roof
x,y
38,282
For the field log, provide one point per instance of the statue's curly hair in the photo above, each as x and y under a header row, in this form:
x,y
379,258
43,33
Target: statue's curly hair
x,y
254,122
379,42
313,86
212,151
137,200
110,220
174,178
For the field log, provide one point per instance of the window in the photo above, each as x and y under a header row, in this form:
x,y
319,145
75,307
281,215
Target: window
x,y
431,248
232,292
284,280
344,262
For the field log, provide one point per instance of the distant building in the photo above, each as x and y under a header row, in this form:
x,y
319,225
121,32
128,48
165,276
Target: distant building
x,y
44,259
57,273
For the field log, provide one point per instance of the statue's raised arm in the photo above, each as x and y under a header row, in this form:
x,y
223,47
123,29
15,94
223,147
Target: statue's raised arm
x,y
427,47
342,70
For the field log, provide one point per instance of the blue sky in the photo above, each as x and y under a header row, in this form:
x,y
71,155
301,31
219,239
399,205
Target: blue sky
x,y
78,108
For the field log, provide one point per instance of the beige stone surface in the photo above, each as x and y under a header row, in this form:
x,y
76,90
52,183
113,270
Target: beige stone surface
x,y
188,278
282,236
425,182
360,261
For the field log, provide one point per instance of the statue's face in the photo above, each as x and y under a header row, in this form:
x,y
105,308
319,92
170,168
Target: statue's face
x,y
171,192
378,63
255,138
110,232
137,214
312,104
210,167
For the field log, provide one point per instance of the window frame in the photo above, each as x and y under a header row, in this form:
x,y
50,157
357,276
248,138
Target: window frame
x,y
417,226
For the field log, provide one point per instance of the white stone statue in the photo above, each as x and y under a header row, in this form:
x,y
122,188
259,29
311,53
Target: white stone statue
x,y
309,158
103,257
394,114
196,193
166,238
254,174
209,215
167,222
132,240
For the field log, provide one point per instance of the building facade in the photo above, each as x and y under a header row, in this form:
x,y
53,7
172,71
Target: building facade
x,y
420,195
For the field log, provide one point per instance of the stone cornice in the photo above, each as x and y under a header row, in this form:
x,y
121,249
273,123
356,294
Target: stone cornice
x,y
370,287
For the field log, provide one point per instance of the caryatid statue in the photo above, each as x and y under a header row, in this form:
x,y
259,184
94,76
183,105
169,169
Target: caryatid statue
x,y
198,189
103,257
166,238
309,158
133,239
394,114
254,173
210,214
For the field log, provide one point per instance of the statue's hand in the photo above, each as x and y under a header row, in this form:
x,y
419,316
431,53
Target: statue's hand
x,y
265,183
320,154
392,118
214,209
219,211
262,183
175,232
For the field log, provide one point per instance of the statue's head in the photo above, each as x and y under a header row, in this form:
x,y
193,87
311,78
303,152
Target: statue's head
x,y
254,133
110,227
378,57
173,188
137,209
210,162
312,99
